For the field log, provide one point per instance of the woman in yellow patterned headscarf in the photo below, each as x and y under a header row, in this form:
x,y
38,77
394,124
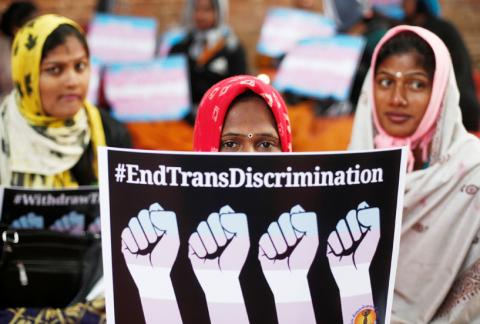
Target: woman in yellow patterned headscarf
x,y
49,132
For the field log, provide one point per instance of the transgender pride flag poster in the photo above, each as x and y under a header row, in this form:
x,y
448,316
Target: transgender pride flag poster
x,y
114,39
153,90
390,8
321,67
283,28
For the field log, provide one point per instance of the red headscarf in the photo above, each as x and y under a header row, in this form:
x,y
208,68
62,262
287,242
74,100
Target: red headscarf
x,y
216,101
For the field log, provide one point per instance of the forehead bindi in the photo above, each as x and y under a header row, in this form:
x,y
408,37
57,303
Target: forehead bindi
x,y
405,63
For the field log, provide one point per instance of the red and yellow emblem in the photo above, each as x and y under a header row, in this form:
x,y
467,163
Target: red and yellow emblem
x,y
366,315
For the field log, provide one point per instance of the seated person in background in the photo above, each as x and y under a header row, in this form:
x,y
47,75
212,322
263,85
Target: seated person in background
x,y
213,50
352,18
12,19
410,98
250,116
49,132
425,13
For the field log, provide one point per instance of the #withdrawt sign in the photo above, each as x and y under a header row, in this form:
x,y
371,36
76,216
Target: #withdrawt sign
x,y
73,211
238,238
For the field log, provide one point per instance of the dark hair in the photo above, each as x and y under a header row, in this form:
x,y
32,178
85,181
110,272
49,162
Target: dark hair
x,y
248,94
407,42
216,7
59,36
422,8
15,16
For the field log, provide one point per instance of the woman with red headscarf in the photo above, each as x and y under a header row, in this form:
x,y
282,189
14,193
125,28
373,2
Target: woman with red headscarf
x,y
242,114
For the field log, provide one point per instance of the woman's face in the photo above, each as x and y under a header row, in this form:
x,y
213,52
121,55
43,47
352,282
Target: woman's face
x,y
204,14
402,92
250,127
64,76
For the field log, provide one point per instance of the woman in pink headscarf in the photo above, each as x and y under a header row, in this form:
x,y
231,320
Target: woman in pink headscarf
x,y
410,98
242,114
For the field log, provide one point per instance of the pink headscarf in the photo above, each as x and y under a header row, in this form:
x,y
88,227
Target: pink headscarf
x,y
216,101
424,133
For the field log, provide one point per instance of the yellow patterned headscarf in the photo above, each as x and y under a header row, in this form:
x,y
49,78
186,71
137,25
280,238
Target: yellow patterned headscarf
x,y
59,142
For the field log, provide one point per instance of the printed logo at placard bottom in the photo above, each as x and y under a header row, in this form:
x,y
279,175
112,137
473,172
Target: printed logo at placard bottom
x,y
366,315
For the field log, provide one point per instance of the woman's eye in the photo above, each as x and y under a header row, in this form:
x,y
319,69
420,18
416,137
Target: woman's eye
x,y
268,145
417,84
229,144
265,144
385,83
81,66
53,70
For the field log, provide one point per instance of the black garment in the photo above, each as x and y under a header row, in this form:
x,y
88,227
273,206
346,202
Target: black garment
x,y
463,69
116,135
376,27
202,77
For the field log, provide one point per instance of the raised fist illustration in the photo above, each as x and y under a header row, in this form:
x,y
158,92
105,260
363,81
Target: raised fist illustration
x,y
72,222
350,250
28,221
354,241
286,252
151,238
217,251
95,226
150,245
